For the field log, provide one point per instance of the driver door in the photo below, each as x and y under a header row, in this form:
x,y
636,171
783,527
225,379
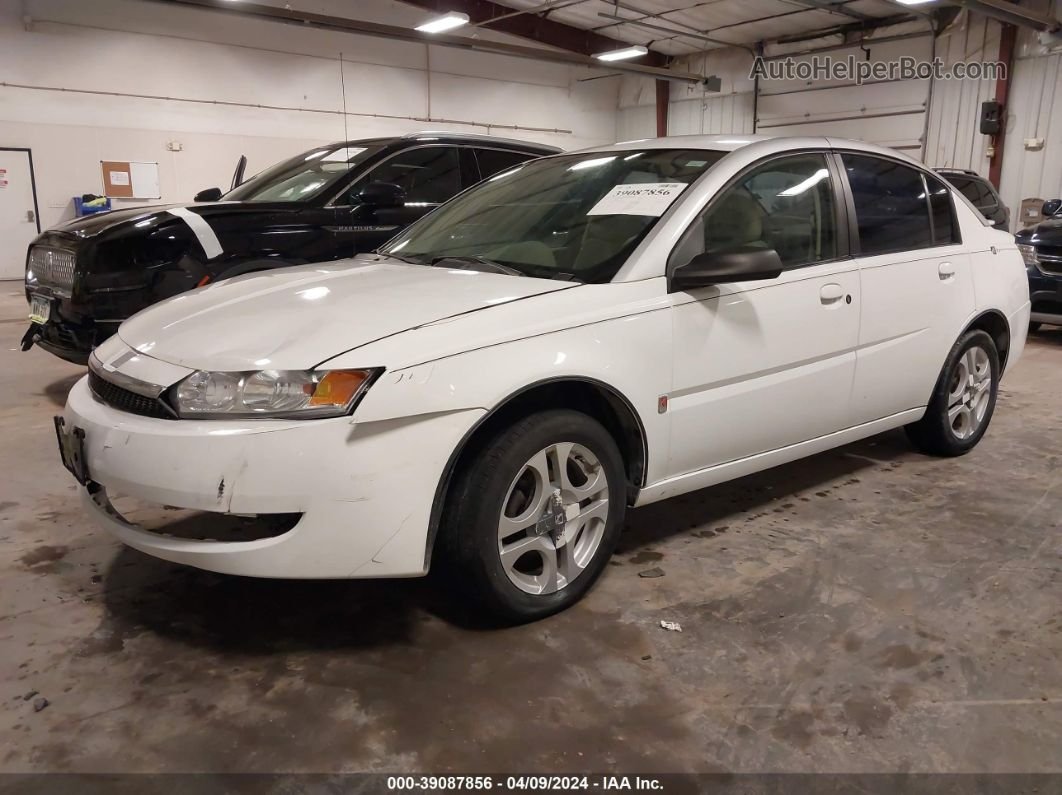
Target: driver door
x,y
761,365
429,175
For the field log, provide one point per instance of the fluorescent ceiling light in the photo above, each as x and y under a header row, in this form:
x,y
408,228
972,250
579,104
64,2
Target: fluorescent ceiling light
x,y
454,19
618,55
913,2
597,161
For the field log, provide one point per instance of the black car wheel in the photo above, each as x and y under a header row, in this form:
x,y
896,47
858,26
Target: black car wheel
x,y
963,400
532,520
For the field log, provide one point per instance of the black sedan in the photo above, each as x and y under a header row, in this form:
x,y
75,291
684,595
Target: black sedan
x,y
85,277
1041,248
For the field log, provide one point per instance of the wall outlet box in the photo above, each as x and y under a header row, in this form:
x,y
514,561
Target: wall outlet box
x,y
175,146
1034,144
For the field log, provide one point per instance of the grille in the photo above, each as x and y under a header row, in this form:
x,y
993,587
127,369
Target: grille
x,y
1050,258
124,400
52,267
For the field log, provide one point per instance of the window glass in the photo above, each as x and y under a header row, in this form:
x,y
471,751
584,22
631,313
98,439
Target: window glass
x,y
786,205
304,176
945,230
574,217
890,204
977,191
494,161
428,175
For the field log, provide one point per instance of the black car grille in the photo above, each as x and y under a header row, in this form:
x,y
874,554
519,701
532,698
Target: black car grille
x,y
125,400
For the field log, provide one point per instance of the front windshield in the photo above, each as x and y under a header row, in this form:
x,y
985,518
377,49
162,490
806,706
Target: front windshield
x,y
568,216
304,176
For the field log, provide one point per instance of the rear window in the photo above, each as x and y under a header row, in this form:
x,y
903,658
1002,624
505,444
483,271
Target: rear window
x,y
977,191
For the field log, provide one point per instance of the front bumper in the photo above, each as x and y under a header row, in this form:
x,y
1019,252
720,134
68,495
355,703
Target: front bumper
x,y
365,491
1045,292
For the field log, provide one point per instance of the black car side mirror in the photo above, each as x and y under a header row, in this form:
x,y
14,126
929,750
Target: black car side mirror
x,y
739,265
208,195
379,195
1051,208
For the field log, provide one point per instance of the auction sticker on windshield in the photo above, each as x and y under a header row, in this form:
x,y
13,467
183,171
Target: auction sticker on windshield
x,y
647,198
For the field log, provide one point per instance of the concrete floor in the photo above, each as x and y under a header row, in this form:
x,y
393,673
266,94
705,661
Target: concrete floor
x,y
869,609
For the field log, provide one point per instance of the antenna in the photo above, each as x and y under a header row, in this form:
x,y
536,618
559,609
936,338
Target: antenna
x,y
343,88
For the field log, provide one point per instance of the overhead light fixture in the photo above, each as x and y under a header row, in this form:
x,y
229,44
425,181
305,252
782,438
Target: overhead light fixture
x,y
454,19
619,55
913,2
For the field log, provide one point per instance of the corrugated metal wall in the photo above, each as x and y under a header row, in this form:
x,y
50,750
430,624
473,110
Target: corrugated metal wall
x,y
1035,111
953,138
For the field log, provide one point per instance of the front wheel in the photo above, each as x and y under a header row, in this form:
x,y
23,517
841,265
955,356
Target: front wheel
x,y
963,400
532,520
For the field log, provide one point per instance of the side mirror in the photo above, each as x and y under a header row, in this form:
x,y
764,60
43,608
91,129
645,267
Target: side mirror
x,y
379,195
1051,208
739,265
208,195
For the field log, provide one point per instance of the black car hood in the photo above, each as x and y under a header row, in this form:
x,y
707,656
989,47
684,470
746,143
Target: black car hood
x,y
1049,231
148,216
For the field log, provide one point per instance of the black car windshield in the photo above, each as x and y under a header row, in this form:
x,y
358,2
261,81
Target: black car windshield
x,y
304,176
568,216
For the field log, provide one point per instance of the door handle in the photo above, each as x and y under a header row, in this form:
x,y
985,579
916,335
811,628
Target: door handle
x,y
946,271
30,216
831,293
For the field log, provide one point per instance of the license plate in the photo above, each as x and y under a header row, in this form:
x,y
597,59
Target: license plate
x,y
40,309
72,450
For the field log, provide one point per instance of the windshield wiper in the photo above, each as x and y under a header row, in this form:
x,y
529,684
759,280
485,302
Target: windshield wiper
x,y
482,262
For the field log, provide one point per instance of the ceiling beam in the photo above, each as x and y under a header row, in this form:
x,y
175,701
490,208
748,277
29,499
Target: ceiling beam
x,y
536,27
1011,13
364,28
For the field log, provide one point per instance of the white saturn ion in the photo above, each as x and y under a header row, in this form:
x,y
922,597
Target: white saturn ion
x,y
584,333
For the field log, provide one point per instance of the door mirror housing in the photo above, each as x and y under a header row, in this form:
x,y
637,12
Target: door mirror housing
x,y
379,195
738,265
1051,208
208,195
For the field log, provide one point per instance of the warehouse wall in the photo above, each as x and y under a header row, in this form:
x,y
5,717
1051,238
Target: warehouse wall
x,y
120,79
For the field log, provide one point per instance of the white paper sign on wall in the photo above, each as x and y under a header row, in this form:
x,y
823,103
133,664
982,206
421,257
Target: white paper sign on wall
x,y
3,177
646,198
119,178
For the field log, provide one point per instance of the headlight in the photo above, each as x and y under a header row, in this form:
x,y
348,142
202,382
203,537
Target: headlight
x,y
1028,253
271,393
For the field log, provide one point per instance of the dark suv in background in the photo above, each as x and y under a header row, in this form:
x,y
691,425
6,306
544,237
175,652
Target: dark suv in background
x,y
1041,248
981,194
85,277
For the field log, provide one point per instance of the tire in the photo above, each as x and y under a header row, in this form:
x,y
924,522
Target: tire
x,y
1034,325
963,399
514,475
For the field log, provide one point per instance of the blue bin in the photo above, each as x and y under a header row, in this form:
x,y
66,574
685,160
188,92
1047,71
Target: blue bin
x,y
80,209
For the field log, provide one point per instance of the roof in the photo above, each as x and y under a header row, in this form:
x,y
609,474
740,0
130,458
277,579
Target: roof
x,y
454,137
764,144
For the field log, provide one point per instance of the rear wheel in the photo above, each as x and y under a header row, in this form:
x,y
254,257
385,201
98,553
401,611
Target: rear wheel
x,y
963,400
532,521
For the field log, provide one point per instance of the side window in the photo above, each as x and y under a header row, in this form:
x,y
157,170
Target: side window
x,y
890,205
945,229
494,161
786,204
428,175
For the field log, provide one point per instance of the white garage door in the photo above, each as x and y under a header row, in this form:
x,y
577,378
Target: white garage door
x,y
889,113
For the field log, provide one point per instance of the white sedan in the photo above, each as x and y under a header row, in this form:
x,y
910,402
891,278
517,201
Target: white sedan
x,y
579,335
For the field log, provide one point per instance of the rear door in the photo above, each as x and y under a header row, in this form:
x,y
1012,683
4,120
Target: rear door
x,y
915,281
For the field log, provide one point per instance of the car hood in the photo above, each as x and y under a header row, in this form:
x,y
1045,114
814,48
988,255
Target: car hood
x,y
145,218
296,318
1049,231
